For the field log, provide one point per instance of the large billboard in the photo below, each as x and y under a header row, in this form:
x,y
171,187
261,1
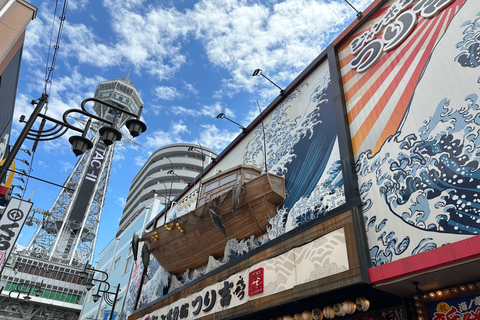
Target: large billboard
x,y
411,83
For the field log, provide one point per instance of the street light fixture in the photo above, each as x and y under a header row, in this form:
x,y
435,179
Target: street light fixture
x,y
105,292
222,116
80,144
176,175
258,72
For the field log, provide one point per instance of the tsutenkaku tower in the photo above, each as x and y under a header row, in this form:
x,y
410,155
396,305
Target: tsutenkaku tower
x,y
69,233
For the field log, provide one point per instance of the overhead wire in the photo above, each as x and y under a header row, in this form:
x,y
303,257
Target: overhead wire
x,y
50,66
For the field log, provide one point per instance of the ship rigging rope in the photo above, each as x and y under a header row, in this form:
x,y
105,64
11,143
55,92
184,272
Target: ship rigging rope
x,y
50,64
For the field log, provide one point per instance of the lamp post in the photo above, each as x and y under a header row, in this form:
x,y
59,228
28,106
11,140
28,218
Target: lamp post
x,y
80,144
105,293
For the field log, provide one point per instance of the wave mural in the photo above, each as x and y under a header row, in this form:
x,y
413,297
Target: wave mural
x,y
420,186
304,149
300,136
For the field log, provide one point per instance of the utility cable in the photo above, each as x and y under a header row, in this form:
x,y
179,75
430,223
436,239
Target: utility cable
x,y
50,66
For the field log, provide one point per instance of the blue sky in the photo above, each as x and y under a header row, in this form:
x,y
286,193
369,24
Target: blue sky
x,y
189,60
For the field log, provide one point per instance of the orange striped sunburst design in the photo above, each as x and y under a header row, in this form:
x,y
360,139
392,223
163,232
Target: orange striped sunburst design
x,y
377,99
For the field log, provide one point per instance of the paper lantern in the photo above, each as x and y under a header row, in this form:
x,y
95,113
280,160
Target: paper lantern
x,y
349,306
307,315
338,308
317,314
328,312
297,316
287,317
362,304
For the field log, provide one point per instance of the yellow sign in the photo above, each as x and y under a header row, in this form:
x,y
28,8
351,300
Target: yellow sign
x,y
9,181
443,307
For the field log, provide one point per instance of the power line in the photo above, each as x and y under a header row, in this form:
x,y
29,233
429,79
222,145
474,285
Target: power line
x,y
50,66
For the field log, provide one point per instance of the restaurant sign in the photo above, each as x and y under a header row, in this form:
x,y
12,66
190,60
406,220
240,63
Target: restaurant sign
x,y
462,308
396,25
320,258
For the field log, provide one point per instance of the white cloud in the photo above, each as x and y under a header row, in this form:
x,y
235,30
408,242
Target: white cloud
x,y
152,108
237,35
87,47
179,127
76,5
206,111
66,166
190,88
216,139
120,201
166,93
282,40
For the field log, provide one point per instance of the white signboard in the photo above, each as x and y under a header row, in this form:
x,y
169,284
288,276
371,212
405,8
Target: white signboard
x,y
318,259
11,224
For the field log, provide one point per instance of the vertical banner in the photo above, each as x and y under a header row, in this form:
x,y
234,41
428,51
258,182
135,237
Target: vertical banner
x,y
11,224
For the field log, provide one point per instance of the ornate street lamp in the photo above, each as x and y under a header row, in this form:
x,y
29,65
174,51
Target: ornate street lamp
x,y
80,144
35,289
105,293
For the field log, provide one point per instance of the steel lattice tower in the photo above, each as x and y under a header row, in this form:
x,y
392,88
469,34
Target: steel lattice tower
x,y
68,234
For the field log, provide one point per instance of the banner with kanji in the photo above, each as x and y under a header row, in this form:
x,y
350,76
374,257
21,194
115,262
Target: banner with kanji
x,y
462,308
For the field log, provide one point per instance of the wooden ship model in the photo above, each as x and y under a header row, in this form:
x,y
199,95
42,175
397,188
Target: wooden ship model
x,y
235,203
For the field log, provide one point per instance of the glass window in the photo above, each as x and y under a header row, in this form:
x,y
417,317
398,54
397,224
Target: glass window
x,y
211,186
228,179
116,263
126,266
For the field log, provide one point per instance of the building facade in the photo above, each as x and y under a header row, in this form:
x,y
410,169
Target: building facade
x,y
377,142
14,18
166,173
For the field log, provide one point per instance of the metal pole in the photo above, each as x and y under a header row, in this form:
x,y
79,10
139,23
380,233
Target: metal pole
x,y
115,301
21,138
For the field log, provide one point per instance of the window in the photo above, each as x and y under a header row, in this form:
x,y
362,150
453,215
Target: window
x,y
211,186
126,267
228,179
116,263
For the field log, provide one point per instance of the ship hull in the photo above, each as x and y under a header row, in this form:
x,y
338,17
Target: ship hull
x,y
176,251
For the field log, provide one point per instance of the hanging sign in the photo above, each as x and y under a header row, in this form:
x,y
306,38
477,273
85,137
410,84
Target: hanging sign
x,y
4,188
11,224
